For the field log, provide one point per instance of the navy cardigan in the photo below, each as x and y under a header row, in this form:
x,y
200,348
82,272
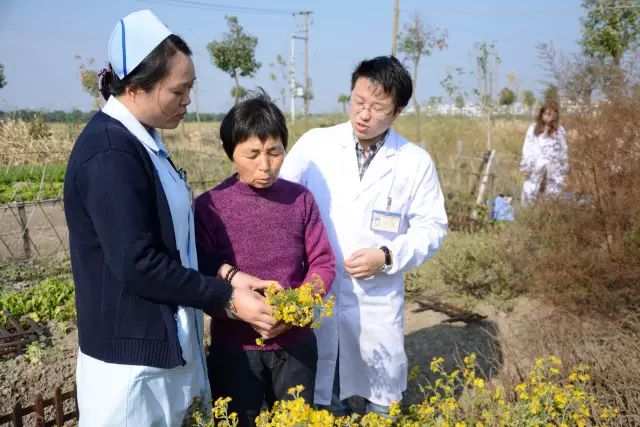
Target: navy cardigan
x,y
128,276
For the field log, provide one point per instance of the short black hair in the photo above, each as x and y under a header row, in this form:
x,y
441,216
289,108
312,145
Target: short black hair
x,y
149,72
256,115
388,72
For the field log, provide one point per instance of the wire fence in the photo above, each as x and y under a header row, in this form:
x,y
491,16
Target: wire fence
x,y
32,222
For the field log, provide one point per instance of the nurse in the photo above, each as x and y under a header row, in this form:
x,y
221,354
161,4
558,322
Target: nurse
x,y
544,156
382,206
139,296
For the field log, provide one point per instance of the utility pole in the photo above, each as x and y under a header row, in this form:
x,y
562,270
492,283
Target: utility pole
x,y
307,86
292,77
394,35
490,115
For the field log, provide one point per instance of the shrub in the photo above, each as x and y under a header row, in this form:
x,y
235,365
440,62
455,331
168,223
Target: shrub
x,y
476,264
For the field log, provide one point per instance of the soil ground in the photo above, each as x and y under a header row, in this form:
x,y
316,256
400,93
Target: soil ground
x,y
426,337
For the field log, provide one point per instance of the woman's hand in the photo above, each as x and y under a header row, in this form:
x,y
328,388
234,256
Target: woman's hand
x,y
249,306
246,281
278,328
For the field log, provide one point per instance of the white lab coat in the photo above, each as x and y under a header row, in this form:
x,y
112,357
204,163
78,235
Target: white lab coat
x,y
367,325
543,155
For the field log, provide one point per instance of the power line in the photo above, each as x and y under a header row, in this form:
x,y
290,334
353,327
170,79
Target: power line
x,y
524,12
194,4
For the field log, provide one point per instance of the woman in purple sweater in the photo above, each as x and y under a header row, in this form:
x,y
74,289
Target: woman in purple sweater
x,y
269,228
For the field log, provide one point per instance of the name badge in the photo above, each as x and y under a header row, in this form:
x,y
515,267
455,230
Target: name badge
x,y
385,221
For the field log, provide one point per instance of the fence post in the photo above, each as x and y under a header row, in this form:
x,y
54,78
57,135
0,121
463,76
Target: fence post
x,y
458,162
59,408
484,182
17,415
75,399
39,410
22,214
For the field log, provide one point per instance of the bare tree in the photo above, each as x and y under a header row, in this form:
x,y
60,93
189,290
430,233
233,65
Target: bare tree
x,y
417,41
277,74
575,76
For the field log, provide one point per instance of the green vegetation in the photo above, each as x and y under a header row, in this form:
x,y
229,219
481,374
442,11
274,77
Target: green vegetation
x,y
32,173
31,182
610,28
29,191
51,299
478,265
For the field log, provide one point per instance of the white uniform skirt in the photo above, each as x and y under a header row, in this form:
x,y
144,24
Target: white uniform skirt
x,y
111,394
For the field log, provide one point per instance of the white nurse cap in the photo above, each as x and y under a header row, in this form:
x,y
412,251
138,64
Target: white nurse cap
x,y
133,39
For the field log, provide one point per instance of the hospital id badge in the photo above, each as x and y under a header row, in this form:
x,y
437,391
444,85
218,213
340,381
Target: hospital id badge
x,y
385,221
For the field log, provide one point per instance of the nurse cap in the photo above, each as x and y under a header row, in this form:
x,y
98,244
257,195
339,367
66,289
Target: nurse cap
x,y
133,39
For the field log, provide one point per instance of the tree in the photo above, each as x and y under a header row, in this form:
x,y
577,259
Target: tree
x,y
235,54
452,82
279,73
551,94
487,61
507,97
343,99
238,92
575,76
459,102
610,28
3,81
417,41
528,99
89,79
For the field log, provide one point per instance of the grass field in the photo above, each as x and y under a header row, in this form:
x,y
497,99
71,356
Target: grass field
x,y
32,155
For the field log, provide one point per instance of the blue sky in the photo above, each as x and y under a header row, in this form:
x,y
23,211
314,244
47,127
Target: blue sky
x,y
40,38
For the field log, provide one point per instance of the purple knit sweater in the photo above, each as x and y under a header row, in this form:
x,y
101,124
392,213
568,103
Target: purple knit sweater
x,y
274,233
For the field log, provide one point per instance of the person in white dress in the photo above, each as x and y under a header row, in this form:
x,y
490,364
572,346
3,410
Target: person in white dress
x,y
544,156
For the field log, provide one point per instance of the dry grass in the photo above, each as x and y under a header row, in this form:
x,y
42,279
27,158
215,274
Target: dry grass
x,y
586,250
34,142
611,348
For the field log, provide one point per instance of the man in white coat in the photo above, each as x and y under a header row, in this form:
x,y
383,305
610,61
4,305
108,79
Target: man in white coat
x,y
383,209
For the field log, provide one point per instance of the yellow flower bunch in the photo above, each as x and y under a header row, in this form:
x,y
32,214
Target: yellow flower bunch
x,y
201,415
301,306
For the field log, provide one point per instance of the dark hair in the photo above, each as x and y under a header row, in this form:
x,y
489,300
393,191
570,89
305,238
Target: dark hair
x,y
256,115
149,72
553,126
388,72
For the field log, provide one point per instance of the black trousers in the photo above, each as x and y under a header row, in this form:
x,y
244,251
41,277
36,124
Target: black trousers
x,y
253,377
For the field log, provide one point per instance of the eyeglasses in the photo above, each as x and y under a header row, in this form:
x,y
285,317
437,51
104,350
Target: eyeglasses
x,y
376,112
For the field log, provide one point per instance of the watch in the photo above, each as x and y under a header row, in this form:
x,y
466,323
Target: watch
x,y
230,306
387,259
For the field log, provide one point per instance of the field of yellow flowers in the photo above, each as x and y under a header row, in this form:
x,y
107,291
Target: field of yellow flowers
x,y
454,399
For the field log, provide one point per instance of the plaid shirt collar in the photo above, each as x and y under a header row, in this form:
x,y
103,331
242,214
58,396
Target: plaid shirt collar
x,y
364,159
